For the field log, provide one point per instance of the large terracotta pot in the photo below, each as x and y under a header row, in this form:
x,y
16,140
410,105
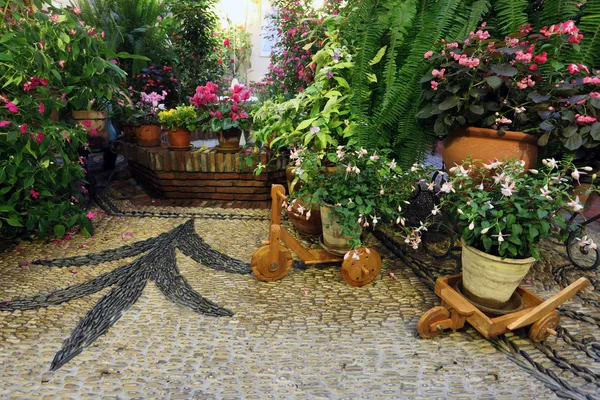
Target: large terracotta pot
x,y
179,139
229,141
491,280
148,135
306,227
333,239
96,135
486,145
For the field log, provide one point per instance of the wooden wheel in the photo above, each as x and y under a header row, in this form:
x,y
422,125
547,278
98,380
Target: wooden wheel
x,y
264,270
364,270
436,314
544,327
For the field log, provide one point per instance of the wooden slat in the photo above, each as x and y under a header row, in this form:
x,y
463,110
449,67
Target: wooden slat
x,y
457,302
322,256
552,303
296,247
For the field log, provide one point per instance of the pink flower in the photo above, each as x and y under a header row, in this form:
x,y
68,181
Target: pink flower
x,y
54,18
584,120
583,67
39,138
87,123
63,98
434,85
226,42
4,123
439,74
541,58
114,61
452,45
61,63
12,107
216,114
90,215
533,67
428,54
42,44
102,34
33,193
23,129
77,10
42,108
573,68
595,95
243,115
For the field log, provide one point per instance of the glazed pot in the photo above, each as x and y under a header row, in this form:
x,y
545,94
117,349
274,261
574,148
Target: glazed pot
x,y
148,135
307,227
490,280
229,141
179,139
487,145
333,239
96,135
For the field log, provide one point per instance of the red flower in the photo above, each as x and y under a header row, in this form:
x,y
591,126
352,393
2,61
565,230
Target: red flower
x,y
533,67
232,61
234,116
39,138
219,61
541,58
23,129
226,42
42,108
573,68
216,114
34,194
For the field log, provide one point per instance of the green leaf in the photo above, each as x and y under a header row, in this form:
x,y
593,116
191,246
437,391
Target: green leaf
x,y
574,142
13,222
6,57
476,109
504,69
132,56
378,56
305,124
543,140
494,81
59,231
557,65
372,78
342,82
307,46
536,97
449,103
595,131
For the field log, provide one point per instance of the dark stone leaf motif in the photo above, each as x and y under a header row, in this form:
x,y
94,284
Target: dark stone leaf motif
x,y
159,264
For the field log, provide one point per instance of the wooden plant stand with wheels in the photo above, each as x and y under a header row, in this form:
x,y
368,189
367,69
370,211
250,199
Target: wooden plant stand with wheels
x,y
456,310
273,261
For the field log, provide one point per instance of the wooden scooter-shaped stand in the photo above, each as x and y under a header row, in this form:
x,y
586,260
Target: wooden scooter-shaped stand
x,y
273,261
456,310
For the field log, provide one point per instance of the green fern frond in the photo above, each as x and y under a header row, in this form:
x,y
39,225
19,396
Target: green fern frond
x,y
555,11
511,14
589,25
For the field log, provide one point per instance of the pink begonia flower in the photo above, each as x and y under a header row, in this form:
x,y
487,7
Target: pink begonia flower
x,y
4,123
77,10
23,128
61,63
12,107
434,85
102,34
595,95
39,138
54,18
33,193
573,68
428,54
42,108
439,73
595,80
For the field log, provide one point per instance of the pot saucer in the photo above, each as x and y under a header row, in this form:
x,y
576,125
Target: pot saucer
x,y
515,303
329,249
181,148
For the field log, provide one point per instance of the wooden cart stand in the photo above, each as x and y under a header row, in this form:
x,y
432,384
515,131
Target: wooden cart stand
x,y
273,261
456,310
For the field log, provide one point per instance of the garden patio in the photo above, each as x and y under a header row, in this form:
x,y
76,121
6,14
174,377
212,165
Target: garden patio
x,y
299,199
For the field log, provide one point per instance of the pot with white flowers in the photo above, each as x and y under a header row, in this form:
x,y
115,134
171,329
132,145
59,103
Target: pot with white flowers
x,y
360,190
503,211
494,98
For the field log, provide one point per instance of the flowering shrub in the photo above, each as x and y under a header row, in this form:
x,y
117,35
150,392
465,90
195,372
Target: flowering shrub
x,y
364,188
521,83
158,78
180,117
506,211
148,106
222,112
296,21
234,49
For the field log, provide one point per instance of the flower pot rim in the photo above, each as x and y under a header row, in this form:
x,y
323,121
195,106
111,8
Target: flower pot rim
x,y
179,130
493,134
507,260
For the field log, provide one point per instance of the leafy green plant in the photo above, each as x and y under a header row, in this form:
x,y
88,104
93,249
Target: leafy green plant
x,y
179,117
505,211
364,188
506,85
235,49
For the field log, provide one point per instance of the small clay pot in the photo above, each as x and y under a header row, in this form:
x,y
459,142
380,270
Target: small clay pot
x,y
148,135
179,139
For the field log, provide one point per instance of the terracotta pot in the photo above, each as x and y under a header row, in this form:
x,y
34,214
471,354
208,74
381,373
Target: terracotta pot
x,y
306,227
491,280
96,119
229,141
148,135
332,232
179,139
486,145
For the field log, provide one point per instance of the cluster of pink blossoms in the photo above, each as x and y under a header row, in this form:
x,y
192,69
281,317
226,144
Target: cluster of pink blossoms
x,y
564,28
205,95
33,83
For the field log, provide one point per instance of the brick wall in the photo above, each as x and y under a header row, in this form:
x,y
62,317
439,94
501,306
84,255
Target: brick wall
x,y
200,174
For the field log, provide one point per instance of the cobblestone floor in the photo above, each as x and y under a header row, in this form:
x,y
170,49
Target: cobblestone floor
x,y
307,336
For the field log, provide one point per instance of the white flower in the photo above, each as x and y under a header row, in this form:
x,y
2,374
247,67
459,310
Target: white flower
x,y
534,171
355,256
375,220
431,186
356,169
414,168
400,221
299,171
550,163
361,152
480,187
460,211
546,192
447,188
300,210
493,165
436,210
308,214
500,237
393,164
374,157
575,205
471,226
360,217
588,169
519,110
399,208
489,203
484,231
348,168
507,190
315,130
294,154
381,191
576,175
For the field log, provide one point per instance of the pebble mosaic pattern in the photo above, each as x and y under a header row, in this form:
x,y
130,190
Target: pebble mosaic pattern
x,y
309,335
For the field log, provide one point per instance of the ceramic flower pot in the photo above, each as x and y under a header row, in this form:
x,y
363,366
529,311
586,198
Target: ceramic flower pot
x,y
93,122
491,280
307,227
229,141
486,145
333,239
179,139
148,135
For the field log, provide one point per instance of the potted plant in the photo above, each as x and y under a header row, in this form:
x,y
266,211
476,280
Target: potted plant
x,y
223,114
502,212
355,189
146,114
179,121
500,98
